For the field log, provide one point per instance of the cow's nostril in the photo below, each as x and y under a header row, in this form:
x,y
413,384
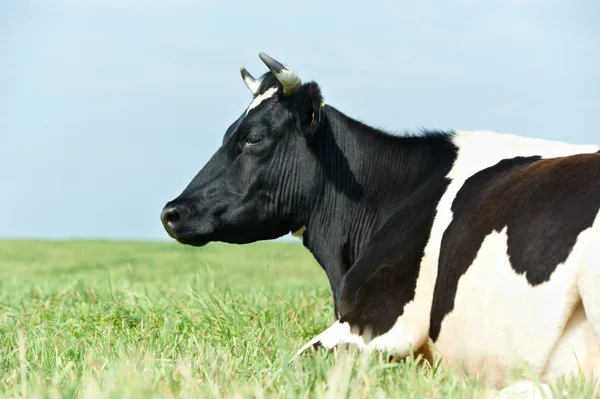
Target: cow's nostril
x,y
170,217
173,216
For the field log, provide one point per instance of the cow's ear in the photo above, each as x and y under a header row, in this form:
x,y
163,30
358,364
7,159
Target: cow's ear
x,y
307,107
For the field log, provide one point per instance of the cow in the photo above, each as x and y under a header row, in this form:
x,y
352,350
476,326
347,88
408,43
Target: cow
x,y
479,247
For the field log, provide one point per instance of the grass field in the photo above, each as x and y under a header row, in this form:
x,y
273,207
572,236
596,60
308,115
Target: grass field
x,y
118,320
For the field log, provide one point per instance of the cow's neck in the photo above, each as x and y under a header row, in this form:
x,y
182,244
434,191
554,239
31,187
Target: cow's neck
x,y
367,174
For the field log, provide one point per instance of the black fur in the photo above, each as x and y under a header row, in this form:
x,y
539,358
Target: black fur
x,y
367,197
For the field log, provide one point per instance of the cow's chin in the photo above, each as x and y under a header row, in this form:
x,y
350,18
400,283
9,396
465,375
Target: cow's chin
x,y
193,241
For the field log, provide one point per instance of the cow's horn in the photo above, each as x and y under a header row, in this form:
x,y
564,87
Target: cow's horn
x,y
288,78
252,84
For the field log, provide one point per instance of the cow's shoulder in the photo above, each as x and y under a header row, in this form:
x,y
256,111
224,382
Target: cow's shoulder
x,y
383,280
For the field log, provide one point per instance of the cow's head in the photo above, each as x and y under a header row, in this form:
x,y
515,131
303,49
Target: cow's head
x,y
264,178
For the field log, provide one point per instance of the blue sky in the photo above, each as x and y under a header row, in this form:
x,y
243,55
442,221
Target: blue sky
x,y
109,108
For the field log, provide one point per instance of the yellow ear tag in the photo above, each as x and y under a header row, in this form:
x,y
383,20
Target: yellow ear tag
x,y
313,114
299,232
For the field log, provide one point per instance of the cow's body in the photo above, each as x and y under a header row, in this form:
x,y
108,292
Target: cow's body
x,y
475,306
483,248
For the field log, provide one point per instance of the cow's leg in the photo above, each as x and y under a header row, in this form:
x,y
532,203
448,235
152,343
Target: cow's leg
x,y
337,334
379,312
385,297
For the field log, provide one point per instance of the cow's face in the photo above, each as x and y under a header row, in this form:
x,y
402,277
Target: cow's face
x,y
263,178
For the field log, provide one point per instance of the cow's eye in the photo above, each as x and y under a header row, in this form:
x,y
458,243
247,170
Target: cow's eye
x,y
253,139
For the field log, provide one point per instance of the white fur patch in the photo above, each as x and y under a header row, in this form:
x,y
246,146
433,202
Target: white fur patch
x,y
262,97
338,333
477,150
499,320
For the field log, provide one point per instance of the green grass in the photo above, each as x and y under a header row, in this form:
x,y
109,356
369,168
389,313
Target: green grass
x,y
118,320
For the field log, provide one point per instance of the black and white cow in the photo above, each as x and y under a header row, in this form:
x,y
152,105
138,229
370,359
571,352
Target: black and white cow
x,y
480,247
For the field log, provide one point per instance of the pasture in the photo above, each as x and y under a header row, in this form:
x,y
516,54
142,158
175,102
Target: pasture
x,y
115,319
